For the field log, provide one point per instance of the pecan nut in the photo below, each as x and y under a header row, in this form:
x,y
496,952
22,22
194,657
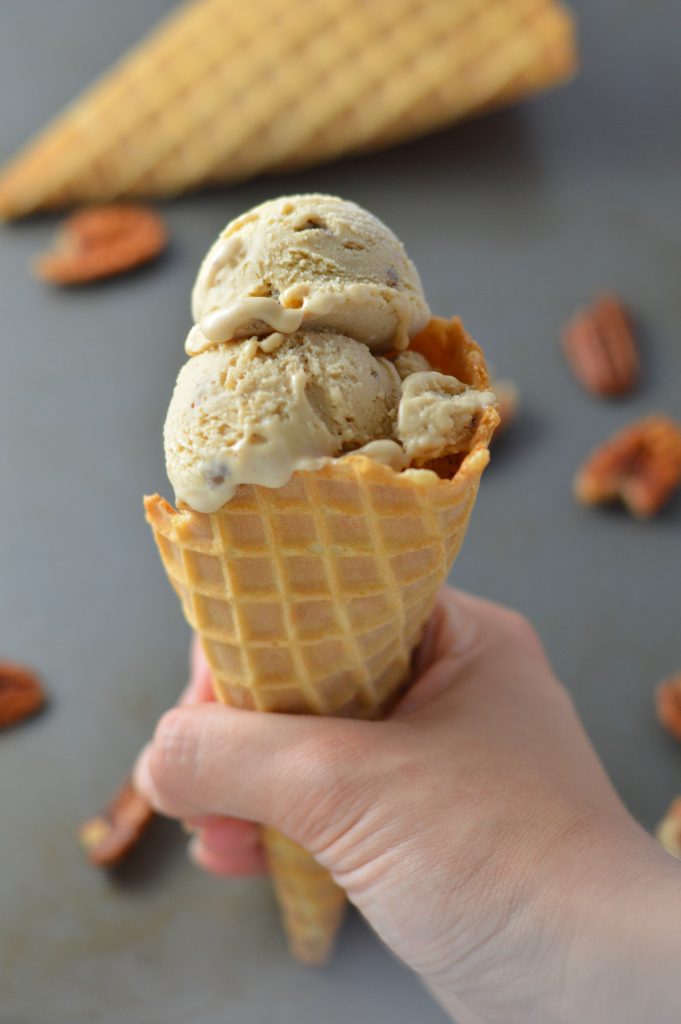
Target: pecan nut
x,y
640,466
111,835
600,348
21,694
668,705
668,832
102,241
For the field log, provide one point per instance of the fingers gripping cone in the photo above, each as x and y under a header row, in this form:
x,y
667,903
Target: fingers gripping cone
x,y
311,598
223,90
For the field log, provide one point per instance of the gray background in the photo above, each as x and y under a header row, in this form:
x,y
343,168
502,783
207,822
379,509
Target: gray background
x,y
513,220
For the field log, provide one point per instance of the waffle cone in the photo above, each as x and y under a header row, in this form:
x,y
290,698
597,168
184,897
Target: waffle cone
x,y
311,598
223,90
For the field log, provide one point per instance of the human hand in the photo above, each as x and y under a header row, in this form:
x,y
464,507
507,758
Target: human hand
x,y
475,828
222,845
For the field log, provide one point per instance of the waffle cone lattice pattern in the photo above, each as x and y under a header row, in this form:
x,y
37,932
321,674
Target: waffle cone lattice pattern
x,y
312,905
309,598
223,90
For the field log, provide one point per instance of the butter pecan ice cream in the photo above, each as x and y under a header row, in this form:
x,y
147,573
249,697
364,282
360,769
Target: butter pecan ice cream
x,y
304,310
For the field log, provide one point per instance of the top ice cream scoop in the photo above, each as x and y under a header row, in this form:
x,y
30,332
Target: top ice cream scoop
x,y
307,260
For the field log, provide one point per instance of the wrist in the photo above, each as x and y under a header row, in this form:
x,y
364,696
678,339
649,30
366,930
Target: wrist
x,y
619,921
592,935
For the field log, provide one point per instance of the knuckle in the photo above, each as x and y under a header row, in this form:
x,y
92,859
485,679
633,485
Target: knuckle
x,y
345,781
519,630
331,754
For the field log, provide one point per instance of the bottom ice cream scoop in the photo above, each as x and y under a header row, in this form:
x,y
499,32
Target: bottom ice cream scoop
x,y
240,415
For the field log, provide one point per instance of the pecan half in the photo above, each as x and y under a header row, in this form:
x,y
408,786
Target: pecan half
x,y
668,705
640,466
108,837
102,241
507,404
21,694
668,832
601,349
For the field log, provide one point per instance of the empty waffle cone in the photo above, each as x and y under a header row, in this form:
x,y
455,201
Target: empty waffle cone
x,y
311,597
223,90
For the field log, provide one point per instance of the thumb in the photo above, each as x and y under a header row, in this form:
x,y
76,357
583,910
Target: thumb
x,y
305,776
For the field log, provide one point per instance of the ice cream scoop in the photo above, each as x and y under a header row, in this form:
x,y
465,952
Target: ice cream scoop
x,y
307,260
437,415
240,415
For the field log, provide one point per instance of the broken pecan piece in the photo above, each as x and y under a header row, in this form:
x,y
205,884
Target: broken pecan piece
x,y
640,466
108,837
668,832
102,241
600,347
21,694
668,705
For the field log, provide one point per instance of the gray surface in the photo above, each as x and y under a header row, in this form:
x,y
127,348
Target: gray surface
x,y
513,220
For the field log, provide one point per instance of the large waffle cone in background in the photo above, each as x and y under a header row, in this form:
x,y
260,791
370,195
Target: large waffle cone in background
x,y
223,90
311,598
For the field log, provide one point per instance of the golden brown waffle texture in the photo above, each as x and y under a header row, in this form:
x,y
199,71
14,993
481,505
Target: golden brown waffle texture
x,y
223,90
311,598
